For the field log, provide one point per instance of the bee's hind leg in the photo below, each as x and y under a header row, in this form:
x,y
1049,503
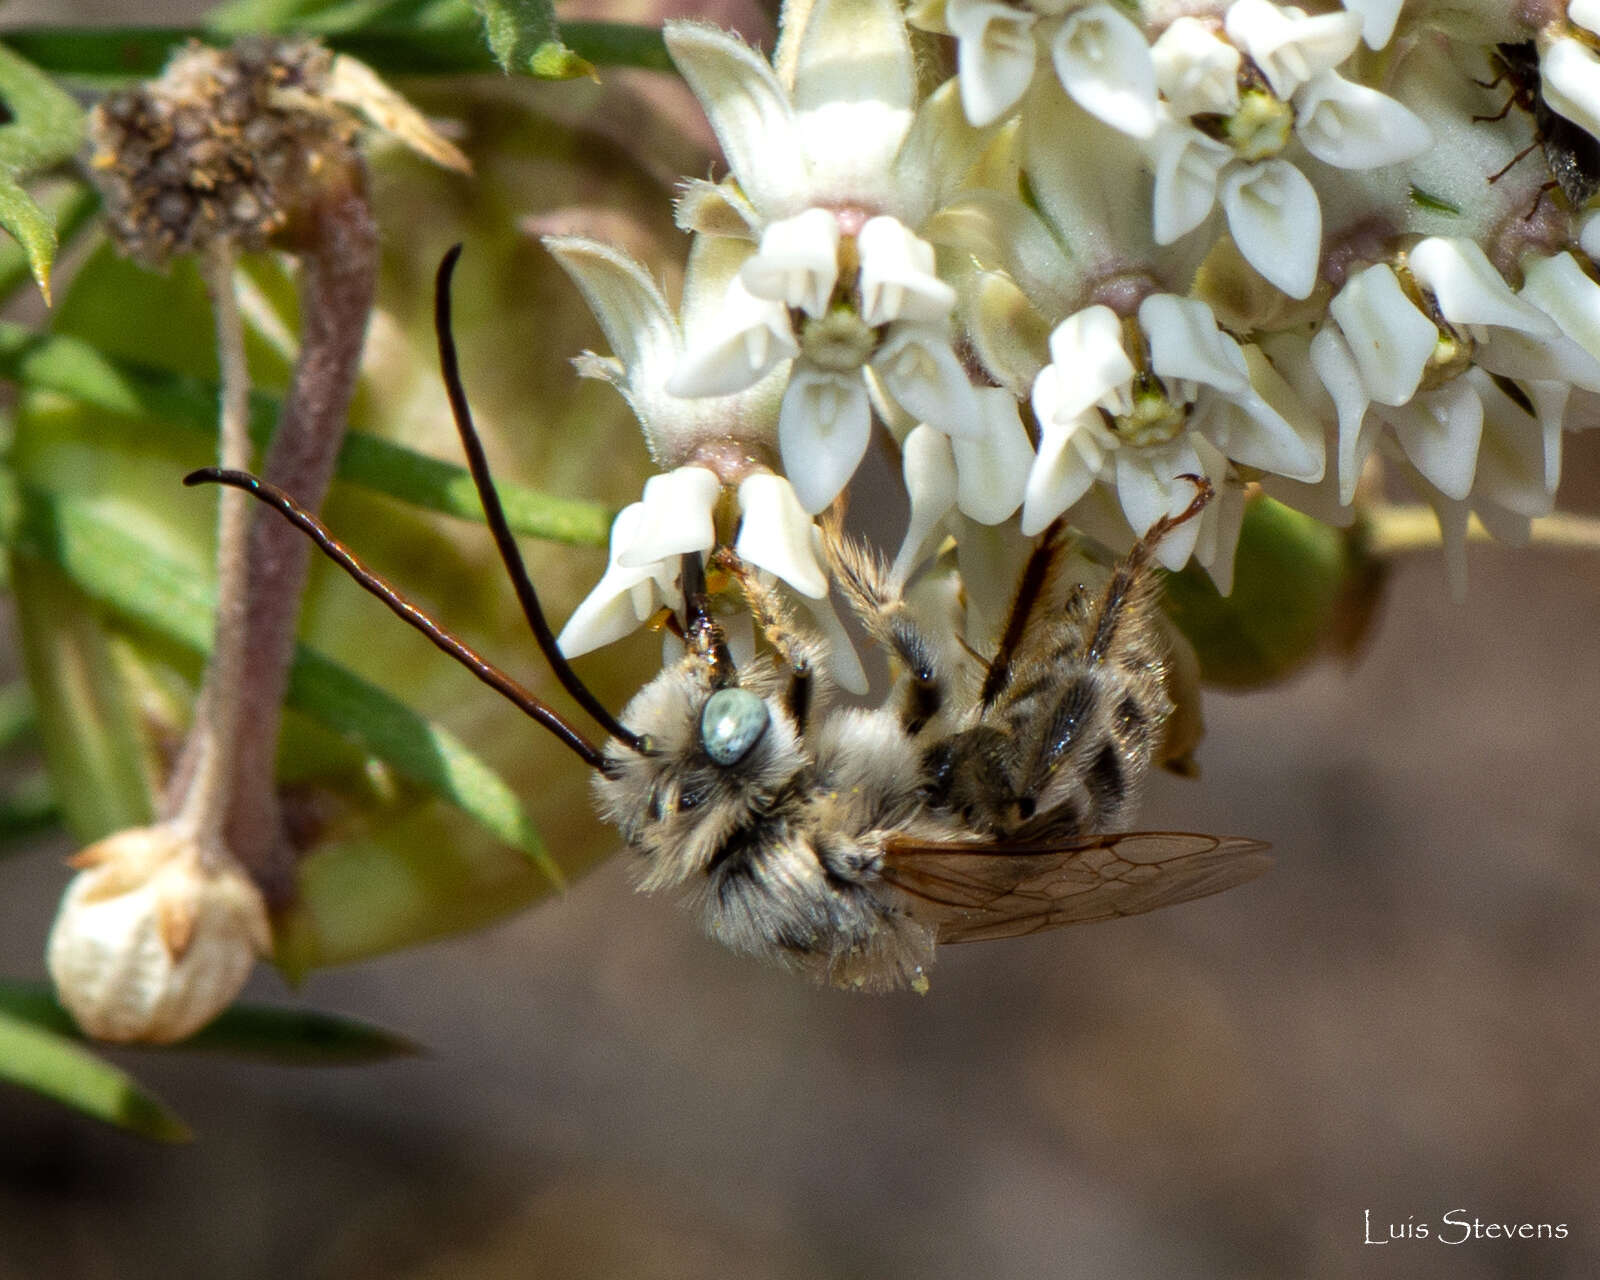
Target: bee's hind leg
x,y
863,577
1131,586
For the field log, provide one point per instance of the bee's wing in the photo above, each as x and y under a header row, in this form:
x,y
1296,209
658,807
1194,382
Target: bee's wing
x,y
974,892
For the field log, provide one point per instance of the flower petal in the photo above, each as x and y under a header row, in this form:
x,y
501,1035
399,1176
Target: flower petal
x,y
1569,76
748,109
823,430
921,371
1378,18
898,280
854,93
1439,431
677,517
611,611
1339,372
1197,72
929,467
1586,13
1071,458
1353,127
1104,63
1276,221
1249,429
992,473
1150,485
1389,339
994,57
1187,345
750,336
1288,46
1187,165
1090,367
629,305
1470,291
798,262
775,533
1560,288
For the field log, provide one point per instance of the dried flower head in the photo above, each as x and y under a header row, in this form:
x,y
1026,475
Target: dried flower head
x,y
228,144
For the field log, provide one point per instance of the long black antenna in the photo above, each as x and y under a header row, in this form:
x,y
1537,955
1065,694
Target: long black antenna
x,y
342,556
495,514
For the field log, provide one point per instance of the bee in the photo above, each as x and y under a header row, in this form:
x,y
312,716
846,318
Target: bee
x,y
848,842
1571,153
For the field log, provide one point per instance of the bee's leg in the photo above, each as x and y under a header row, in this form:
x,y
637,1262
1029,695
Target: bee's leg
x,y
1032,588
863,578
1091,712
1131,586
801,649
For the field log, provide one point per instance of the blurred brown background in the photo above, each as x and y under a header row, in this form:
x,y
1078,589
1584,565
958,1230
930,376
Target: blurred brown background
x,y
1404,1017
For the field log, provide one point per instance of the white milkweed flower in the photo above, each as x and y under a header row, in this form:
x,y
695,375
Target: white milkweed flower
x,y
890,316
1141,406
1386,360
725,438
1250,111
1099,55
154,938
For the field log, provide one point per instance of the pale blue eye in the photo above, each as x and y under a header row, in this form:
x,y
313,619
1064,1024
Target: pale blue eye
x,y
732,722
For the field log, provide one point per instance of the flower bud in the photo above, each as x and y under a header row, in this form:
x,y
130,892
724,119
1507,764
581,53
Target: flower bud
x,y
150,943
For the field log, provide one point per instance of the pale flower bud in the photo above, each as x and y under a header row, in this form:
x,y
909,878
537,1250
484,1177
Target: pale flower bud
x,y
150,944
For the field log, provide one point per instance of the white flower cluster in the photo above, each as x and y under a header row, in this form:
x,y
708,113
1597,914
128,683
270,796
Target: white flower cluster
x,y
1124,244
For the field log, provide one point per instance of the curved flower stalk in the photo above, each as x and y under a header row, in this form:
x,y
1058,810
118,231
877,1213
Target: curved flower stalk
x,y
1140,405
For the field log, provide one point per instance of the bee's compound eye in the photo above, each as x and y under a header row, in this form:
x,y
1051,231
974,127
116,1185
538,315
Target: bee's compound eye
x,y
732,722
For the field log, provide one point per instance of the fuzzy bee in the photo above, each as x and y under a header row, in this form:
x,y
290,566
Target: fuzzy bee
x,y
847,842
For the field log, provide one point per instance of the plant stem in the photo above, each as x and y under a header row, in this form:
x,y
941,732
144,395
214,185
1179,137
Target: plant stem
x,y
1396,530
338,250
204,803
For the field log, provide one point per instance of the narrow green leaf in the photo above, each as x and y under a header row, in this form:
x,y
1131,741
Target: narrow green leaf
x,y
124,53
108,562
137,395
523,36
290,1037
72,209
42,1060
46,123
46,127
86,727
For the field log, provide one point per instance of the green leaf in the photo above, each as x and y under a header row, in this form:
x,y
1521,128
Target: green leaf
x,y
46,127
109,563
86,725
289,1037
71,209
47,1062
136,396
440,48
